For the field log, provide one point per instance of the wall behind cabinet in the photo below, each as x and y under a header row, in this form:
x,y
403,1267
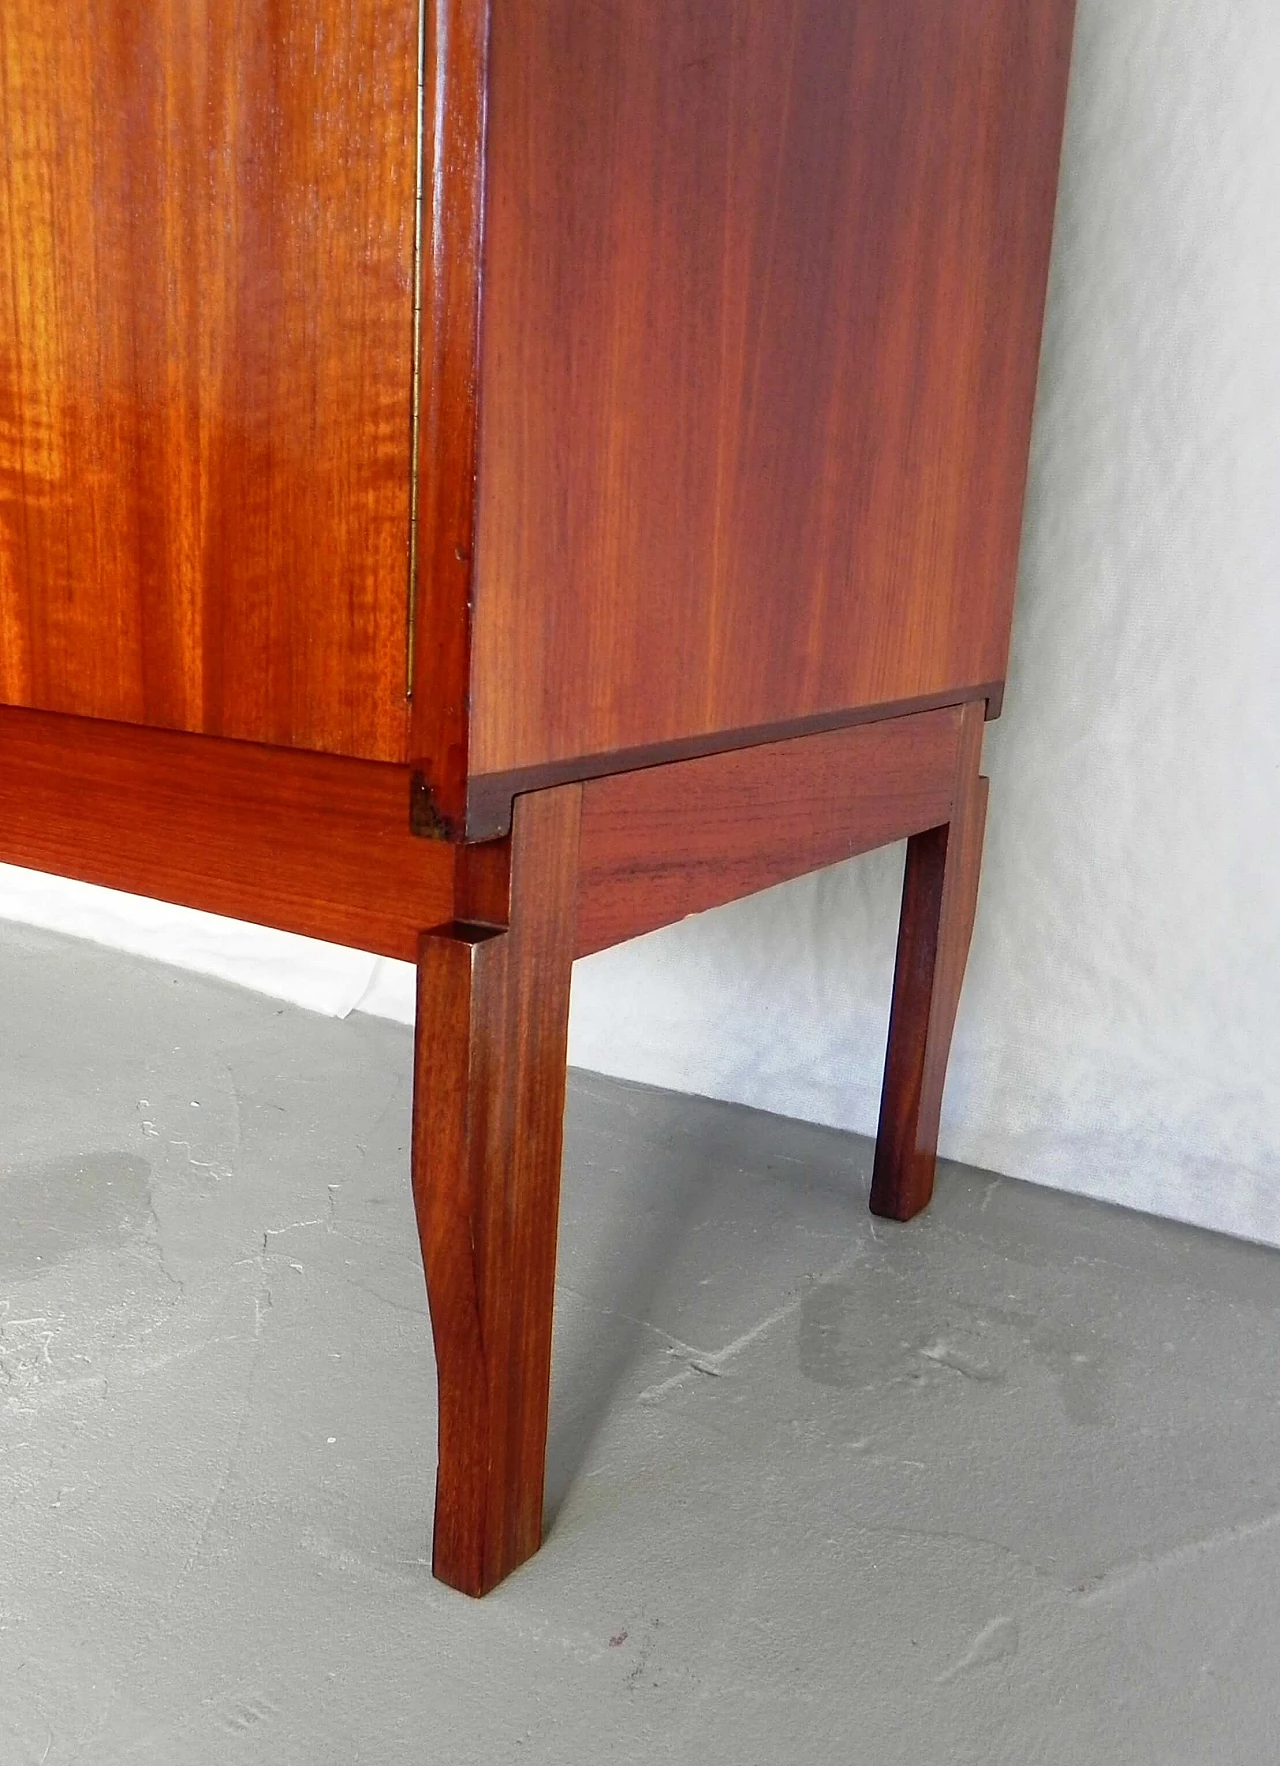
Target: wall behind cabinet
x,y
1120,1029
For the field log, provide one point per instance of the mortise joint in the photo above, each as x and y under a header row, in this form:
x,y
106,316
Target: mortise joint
x,y
467,931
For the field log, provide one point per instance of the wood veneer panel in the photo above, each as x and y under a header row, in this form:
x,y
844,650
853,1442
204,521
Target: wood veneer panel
x,y
763,299
673,840
206,322
489,796
311,843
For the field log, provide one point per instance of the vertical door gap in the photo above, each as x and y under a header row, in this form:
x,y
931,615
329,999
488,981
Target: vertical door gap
x,y
415,443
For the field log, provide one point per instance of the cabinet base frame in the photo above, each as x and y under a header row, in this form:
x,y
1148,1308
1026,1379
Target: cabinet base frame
x,y
322,846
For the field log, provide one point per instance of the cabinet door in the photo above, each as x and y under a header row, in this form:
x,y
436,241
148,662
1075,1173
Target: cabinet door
x,y
207,253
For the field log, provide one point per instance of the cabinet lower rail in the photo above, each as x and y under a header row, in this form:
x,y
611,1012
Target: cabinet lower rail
x,y
322,846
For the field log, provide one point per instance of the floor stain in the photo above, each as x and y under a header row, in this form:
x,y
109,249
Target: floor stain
x,y
841,1343
55,1209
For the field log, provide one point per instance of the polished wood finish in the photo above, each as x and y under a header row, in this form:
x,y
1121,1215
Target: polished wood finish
x,y
724,370
493,1015
484,518
611,858
310,843
939,899
444,546
763,289
206,322
675,840
490,796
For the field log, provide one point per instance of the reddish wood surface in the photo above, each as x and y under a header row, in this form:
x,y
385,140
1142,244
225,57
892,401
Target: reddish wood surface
x,y
206,292
939,898
729,324
490,796
762,310
744,407
673,840
310,843
456,75
493,1014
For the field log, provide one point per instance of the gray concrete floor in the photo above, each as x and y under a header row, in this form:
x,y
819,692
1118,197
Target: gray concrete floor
x,y
1002,1486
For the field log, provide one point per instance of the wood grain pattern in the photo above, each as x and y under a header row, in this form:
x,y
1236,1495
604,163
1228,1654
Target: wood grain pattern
x,y
206,312
939,899
674,840
457,73
311,843
493,1014
763,299
729,317
490,795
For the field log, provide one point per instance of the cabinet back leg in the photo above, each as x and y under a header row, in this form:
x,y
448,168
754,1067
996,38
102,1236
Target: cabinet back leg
x,y
489,1089
939,899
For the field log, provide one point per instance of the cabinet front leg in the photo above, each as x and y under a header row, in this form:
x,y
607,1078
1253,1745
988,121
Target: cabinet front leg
x,y
939,898
489,1089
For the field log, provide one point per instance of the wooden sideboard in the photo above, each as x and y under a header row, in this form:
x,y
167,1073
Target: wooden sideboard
x,y
481,479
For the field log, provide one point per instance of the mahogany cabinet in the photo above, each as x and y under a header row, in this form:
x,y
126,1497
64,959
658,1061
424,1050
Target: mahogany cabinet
x,y
480,479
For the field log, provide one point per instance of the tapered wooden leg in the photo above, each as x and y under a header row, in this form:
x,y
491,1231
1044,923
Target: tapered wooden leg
x,y
939,896
489,1088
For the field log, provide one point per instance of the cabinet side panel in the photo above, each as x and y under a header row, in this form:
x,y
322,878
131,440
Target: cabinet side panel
x,y
206,324
763,295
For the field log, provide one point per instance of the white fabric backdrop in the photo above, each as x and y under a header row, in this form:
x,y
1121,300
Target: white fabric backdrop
x,y
1120,1029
